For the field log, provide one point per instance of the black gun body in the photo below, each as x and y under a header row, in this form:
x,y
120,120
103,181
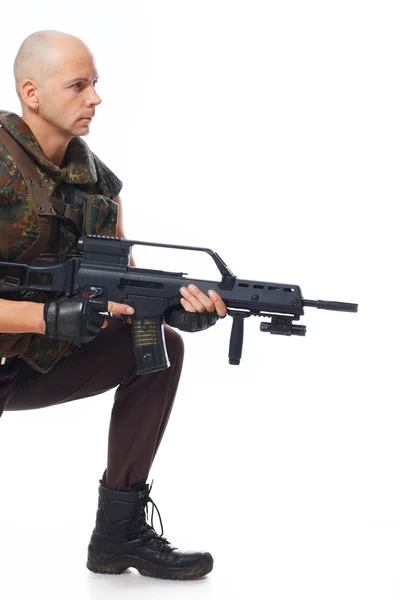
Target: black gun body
x,y
151,294
101,270
134,286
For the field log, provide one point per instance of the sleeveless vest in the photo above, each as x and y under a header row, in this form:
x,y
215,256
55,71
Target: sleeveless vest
x,y
44,210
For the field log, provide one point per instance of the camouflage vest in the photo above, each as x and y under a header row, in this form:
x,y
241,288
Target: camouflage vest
x,y
81,191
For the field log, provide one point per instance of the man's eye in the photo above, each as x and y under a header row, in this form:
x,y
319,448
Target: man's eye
x,y
77,85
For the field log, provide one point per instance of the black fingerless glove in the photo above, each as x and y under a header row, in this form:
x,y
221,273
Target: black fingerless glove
x,y
73,319
190,321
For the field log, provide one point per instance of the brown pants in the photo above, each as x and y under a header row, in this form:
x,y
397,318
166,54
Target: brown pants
x,y
142,404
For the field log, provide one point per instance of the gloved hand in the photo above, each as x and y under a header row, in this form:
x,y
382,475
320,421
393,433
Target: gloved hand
x,y
74,319
190,321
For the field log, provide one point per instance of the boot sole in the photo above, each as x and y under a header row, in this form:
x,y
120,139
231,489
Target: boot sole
x,y
120,564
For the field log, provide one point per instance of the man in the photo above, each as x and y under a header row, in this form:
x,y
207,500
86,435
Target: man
x,y
53,189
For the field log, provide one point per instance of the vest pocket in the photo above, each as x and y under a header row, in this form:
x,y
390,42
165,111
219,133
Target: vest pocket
x,y
44,352
14,344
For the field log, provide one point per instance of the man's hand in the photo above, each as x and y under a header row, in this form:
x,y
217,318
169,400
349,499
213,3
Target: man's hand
x,y
194,300
77,320
117,310
200,311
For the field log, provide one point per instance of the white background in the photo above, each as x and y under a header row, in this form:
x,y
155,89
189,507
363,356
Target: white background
x,y
269,132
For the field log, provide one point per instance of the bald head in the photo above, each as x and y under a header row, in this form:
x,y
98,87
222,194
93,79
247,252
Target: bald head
x,y
42,54
56,77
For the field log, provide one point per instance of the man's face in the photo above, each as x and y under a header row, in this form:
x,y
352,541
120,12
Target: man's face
x,y
67,96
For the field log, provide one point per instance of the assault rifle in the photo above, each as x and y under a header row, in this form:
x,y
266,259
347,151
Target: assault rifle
x,y
101,269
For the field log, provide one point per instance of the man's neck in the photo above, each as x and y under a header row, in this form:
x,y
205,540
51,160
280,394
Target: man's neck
x,y
52,142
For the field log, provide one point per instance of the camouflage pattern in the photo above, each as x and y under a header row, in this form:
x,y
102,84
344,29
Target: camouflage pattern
x,y
83,181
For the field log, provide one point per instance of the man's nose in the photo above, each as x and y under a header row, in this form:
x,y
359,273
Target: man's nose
x,y
93,99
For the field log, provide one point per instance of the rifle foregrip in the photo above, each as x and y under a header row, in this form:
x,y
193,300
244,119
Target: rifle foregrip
x,y
149,345
236,341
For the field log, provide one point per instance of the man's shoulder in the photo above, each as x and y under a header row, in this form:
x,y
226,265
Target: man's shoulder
x,y
8,167
107,179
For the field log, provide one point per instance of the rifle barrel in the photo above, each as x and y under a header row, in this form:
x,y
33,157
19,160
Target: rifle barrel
x,y
326,305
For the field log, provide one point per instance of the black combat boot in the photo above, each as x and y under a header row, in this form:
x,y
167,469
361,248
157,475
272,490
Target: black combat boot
x,y
122,538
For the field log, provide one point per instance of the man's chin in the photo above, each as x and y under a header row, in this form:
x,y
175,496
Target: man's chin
x,y
81,131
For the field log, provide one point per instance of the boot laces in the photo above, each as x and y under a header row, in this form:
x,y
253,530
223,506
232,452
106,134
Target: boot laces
x,y
141,529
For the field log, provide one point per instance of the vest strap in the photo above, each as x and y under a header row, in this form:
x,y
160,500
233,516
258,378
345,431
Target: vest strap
x,y
46,206
39,195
